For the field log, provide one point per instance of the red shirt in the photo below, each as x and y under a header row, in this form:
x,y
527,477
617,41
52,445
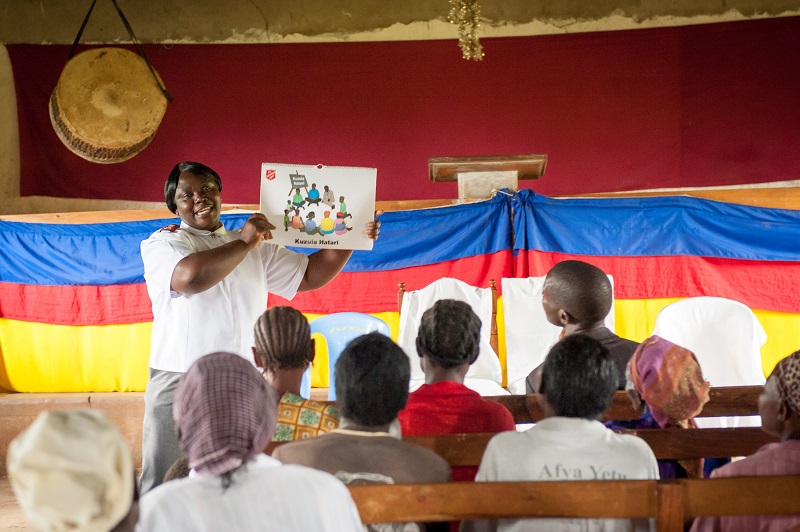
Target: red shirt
x,y
452,408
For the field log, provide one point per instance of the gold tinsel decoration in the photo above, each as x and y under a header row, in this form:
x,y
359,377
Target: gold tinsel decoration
x,y
467,14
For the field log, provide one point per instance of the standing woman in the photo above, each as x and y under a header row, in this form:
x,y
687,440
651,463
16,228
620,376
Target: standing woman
x,y
208,286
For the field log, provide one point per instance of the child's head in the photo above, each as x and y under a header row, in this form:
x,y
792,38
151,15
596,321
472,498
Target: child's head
x,y
372,376
576,292
283,340
449,334
579,377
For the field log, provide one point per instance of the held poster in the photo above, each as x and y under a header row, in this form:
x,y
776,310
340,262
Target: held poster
x,y
318,206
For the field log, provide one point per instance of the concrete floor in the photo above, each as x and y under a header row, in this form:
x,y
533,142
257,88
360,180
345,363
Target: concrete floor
x,y
11,517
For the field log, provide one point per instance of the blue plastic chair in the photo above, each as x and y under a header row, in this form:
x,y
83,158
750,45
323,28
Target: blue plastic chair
x,y
339,329
305,384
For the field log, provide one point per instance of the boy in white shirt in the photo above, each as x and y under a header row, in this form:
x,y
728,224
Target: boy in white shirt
x,y
579,379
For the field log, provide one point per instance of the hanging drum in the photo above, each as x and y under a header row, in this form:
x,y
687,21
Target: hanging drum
x,y
107,105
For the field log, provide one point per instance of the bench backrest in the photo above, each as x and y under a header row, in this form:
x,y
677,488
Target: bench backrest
x,y
670,502
723,401
678,444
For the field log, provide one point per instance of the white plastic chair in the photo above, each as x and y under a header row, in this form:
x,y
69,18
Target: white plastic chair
x,y
485,375
726,337
529,336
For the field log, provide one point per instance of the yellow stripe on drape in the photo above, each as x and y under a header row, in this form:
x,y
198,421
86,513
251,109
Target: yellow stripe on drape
x,y
40,357
636,318
783,336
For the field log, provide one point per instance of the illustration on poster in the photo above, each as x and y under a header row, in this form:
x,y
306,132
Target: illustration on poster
x,y
327,226
319,205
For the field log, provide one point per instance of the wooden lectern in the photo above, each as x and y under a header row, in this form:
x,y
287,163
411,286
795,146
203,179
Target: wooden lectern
x,y
479,176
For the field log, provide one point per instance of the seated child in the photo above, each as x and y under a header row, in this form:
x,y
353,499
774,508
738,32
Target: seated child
x,y
313,195
284,349
579,380
297,199
372,376
448,342
577,296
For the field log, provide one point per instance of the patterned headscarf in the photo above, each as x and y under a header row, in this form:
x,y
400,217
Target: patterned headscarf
x,y
669,380
225,413
787,374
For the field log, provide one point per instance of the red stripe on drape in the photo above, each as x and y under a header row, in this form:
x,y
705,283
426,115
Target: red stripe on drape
x,y
76,304
129,303
377,291
757,284
768,285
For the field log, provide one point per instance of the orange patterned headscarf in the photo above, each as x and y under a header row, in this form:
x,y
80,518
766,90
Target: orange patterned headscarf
x,y
669,380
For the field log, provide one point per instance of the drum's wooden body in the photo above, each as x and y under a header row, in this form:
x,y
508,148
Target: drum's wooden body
x,y
106,106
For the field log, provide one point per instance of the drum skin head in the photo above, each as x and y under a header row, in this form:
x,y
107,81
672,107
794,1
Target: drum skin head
x,y
106,106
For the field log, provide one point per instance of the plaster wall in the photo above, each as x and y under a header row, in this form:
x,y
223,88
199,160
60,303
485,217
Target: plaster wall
x,y
56,21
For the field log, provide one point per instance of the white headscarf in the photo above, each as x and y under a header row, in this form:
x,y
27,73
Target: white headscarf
x,y
72,470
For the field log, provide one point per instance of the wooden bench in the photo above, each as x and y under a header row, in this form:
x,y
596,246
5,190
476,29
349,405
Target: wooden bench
x,y
667,444
670,502
18,410
723,401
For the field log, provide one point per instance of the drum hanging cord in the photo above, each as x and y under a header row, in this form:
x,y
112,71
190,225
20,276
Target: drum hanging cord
x,y
139,49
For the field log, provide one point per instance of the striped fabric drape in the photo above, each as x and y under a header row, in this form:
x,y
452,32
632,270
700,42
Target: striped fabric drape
x,y
75,316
